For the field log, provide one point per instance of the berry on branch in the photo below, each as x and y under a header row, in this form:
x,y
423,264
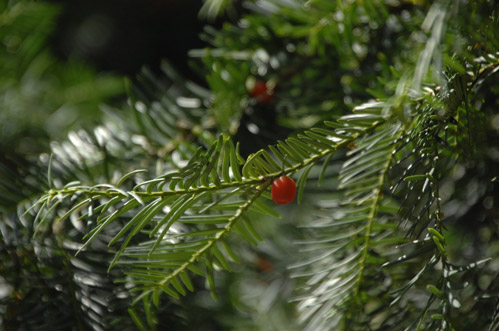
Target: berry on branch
x,y
262,93
283,190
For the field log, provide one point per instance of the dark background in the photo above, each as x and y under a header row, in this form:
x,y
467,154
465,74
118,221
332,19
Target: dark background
x,y
124,35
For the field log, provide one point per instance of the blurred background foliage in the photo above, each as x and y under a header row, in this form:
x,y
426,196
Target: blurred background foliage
x,y
96,90
42,96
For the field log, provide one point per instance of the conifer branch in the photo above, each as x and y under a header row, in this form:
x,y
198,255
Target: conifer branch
x,y
373,211
220,234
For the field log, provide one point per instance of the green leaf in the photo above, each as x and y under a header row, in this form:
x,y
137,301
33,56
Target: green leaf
x,y
45,217
364,159
191,181
234,163
372,107
147,310
344,127
409,284
204,219
102,209
262,208
155,297
220,257
225,196
109,188
304,144
174,214
177,285
288,152
360,175
136,197
329,133
279,156
173,208
264,167
304,153
248,169
103,224
312,142
201,233
249,227
186,281
195,159
418,252
321,139
415,177
435,291
270,160
364,181
195,270
243,232
439,245
226,162
302,180
168,290
360,119
209,277
73,209
324,168
229,251
470,266
155,206
229,206
338,223
49,172
214,153
40,211
437,234
361,166
138,322
128,175
150,184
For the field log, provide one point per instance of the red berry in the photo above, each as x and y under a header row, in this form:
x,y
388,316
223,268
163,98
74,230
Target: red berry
x,y
262,93
283,190
263,264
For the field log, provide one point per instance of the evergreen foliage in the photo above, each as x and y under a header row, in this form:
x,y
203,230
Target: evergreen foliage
x,y
64,94
385,113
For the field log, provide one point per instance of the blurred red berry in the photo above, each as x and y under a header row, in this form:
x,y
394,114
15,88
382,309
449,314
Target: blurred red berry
x,y
262,93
